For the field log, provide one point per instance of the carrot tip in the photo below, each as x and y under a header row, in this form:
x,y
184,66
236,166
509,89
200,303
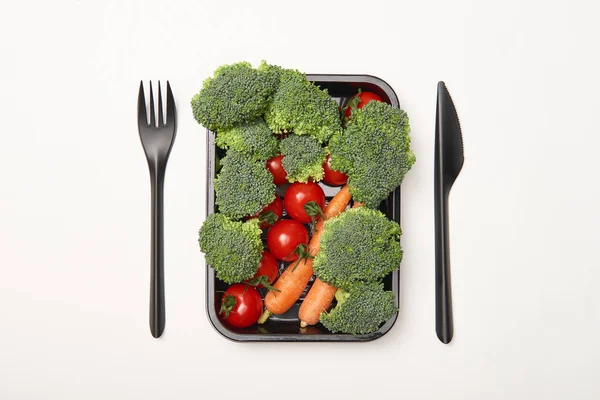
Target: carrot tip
x,y
303,324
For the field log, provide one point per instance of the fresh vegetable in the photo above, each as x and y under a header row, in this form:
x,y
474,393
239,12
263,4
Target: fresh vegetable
x,y
317,300
335,207
236,93
267,267
243,187
331,177
374,151
301,107
294,279
361,309
298,195
241,305
338,203
359,245
290,285
303,158
270,214
275,166
233,249
286,239
253,139
359,101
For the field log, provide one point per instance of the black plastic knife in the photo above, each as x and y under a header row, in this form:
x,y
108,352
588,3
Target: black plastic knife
x,y
449,159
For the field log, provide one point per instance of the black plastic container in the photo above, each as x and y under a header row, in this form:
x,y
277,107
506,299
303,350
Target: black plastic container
x,y
286,327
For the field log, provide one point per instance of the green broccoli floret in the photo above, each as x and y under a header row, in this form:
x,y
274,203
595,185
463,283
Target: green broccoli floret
x,y
359,245
374,151
253,139
236,93
301,107
303,158
233,249
360,310
243,187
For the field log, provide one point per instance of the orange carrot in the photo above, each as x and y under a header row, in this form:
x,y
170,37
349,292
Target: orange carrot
x,y
318,299
294,279
290,284
338,203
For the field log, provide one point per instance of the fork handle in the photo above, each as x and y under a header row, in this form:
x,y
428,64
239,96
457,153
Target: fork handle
x,y
157,273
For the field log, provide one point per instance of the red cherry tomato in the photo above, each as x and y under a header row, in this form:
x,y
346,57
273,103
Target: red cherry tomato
x,y
284,237
241,305
333,178
267,267
276,168
297,195
270,214
363,99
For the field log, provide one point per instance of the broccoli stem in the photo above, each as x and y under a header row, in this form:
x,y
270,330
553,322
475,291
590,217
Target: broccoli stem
x,y
264,317
341,296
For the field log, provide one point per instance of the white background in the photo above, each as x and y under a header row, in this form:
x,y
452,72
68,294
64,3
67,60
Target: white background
x,y
75,217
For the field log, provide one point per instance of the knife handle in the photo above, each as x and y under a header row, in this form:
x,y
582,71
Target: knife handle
x,y
444,326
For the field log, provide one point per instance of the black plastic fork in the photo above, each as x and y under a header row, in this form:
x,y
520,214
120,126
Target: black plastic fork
x,y
157,140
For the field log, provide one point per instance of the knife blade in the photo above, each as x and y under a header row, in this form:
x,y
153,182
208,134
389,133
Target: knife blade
x,y
448,162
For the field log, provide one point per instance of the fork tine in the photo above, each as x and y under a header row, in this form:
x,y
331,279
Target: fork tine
x,y
142,105
152,112
170,120
161,120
